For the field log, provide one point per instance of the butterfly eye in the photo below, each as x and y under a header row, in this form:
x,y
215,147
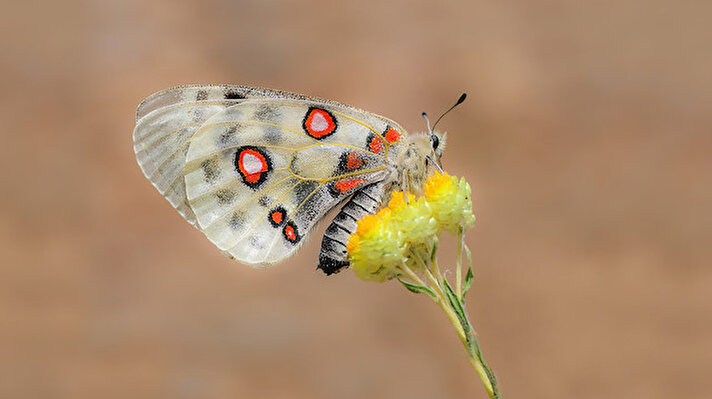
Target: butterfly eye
x,y
435,140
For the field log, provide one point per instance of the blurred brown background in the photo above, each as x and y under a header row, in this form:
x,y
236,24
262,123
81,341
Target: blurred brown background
x,y
586,137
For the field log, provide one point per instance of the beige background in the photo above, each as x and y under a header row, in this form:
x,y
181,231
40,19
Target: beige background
x,y
586,139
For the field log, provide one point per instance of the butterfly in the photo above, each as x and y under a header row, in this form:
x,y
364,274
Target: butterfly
x,y
255,169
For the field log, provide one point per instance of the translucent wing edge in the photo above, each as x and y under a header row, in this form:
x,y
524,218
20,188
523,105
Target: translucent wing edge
x,y
219,91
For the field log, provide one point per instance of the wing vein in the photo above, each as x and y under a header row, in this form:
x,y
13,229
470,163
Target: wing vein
x,y
225,183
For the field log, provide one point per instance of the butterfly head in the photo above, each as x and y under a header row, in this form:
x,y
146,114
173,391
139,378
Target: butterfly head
x,y
438,141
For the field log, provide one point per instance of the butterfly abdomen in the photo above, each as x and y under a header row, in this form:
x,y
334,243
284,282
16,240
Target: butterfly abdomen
x,y
333,256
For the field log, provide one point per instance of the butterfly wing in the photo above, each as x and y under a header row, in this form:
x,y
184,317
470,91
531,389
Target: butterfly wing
x,y
255,169
167,120
260,174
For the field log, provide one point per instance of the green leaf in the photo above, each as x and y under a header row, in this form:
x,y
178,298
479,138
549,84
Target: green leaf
x,y
418,289
469,278
435,248
456,305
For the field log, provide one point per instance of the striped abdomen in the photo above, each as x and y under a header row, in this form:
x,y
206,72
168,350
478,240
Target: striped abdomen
x,y
333,257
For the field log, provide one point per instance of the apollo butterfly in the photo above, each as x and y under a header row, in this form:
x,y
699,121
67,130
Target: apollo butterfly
x,y
255,169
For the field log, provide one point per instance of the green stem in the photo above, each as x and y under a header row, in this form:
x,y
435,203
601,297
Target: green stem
x,y
467,336
411,275
478,363
440,297
458,264
458,317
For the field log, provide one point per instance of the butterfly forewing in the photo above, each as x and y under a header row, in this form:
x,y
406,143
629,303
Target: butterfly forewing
x,y
255,169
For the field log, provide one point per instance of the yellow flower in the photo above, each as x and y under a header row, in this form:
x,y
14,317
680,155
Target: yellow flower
x,y
450,201
415,220
376,250
384,241
400,241
398,202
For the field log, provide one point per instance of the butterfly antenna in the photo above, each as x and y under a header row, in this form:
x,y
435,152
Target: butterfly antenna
x,y
427,121
459,101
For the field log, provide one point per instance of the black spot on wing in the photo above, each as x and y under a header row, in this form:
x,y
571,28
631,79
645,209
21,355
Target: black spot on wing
x,y
311,208
303,189
198,115
233,95
266,113
224,196
256,242
228,137
237,221
273,134
202,95
210,169
310,211
315,207
265,201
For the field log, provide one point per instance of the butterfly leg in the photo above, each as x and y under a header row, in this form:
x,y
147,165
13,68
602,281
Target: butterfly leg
x,y
404,185
435,164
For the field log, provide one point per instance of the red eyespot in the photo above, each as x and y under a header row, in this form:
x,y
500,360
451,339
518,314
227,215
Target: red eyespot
x,y
277,216
392,135
375,144
319,123
353,161
252,164
347,185
291,233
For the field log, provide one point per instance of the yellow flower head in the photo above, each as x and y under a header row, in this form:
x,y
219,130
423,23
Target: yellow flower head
x,y
415,220
450,201
398,201
383,242
375,250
